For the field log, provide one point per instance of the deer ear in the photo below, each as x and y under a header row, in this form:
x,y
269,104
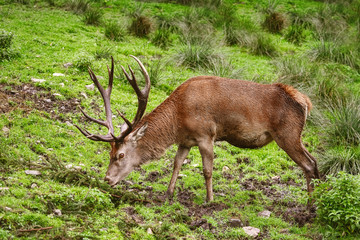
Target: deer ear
x,y
139,133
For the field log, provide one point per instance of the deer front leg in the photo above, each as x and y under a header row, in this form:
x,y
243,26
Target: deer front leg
x,y
207,154
181,154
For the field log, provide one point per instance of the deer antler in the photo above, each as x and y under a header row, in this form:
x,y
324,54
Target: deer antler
x,y
142,101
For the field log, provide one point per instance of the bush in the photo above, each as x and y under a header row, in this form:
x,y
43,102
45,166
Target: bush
x,y
93,16
222,68
141,25
336,52
336,160
115,31
83,61
103,52
78,6
344,127
242,33
162,38
338,203
274,22
6,38
263,45
295,34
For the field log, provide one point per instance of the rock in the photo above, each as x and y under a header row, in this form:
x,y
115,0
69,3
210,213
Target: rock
x,y
251,231
84,95
225,169
4,188
57,212
68,123
61,84
276,178
56,94
91,87
67,65
264,214
47,100
50,149
32,172
182,175
235,222
6,131
34,185
68,166
38,80
7,209
284,231
149,231
58,75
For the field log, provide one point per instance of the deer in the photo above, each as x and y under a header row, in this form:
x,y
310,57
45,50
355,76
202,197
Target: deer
x,y
200,112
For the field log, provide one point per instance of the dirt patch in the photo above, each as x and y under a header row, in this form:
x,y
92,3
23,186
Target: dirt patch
x,y
28,97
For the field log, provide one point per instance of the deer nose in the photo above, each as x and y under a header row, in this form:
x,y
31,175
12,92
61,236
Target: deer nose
x,y
107,178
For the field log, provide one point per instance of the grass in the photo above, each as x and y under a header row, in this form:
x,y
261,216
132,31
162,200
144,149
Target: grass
x,y
39,135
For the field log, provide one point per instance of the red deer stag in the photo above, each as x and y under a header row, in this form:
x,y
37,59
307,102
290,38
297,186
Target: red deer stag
x,y
199,112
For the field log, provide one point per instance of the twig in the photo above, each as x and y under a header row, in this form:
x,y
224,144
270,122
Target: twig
x,y
35,229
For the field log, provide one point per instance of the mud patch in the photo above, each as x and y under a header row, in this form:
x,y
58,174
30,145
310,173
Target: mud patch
x,y
28,97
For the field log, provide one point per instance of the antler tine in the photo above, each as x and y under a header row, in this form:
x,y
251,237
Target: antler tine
x,y
142,95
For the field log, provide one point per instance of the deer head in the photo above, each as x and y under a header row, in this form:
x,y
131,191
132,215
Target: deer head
x,y
124,156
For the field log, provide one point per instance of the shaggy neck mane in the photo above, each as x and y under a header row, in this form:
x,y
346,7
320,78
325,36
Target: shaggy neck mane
x,y
160,133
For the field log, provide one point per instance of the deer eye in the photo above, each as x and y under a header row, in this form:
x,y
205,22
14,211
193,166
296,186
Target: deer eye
x,y
121,155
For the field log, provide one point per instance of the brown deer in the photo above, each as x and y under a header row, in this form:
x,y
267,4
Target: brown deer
x,y
199,112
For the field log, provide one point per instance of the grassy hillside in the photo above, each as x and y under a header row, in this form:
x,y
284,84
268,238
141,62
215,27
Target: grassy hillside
x,y
46,47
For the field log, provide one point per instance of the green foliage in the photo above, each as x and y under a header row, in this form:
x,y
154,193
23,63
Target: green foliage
x,y
6,39
344,126
338,203
78,6
93,16
115,31
337,52
296,34
103,52
335,160
83,61
263,45
274,22
141,25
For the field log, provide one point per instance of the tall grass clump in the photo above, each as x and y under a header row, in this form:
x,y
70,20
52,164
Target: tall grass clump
x,y
6,39
338,204
163,36
221,67
242,33
141,24
156,71
78,6
337,52
103,52
344,126
115,31
274,21
93,16
263,45
340,159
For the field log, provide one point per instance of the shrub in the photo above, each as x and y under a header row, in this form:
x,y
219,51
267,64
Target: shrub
x,y
336,52
78,6
156,70
196,55
338,203
93,16
336,160
141,25
274,22
103,52
6,38
222,68
344,127
295,34
263,45
83,61
162,38
115,31
243,33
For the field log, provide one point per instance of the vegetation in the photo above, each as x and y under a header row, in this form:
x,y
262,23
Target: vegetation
x,y
46,47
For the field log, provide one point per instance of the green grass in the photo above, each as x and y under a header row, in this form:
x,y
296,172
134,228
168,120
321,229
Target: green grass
x,y
48,34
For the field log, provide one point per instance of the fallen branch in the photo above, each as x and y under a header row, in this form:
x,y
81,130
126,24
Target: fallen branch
x,y
35,229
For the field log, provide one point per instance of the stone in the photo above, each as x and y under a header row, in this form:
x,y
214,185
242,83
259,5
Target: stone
x,y
67,65
4,188
58,75
47,100
264,214
56,94
34,185
251,231
32,172
225,169
91,87
235,222
276,178
149,231
61,84
7,209
57,212
38,80
84,95
6,131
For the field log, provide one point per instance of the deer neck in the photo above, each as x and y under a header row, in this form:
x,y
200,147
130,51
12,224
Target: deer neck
x,y
160,133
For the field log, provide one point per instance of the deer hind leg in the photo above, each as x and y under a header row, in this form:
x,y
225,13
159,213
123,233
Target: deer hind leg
x,y
298,153
180,156
207,154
